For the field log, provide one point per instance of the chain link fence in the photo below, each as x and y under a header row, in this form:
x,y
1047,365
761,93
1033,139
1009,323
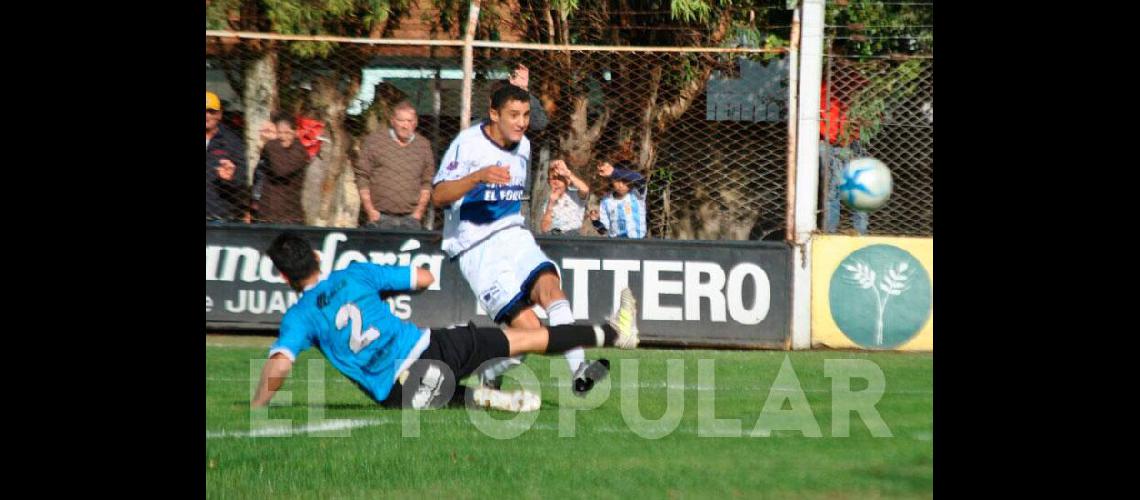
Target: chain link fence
x,y
707,128
881,77
339,97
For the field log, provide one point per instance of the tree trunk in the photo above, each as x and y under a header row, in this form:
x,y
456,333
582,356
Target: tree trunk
x,y
330,195
259,99
729,216
578,142
540,188
647,153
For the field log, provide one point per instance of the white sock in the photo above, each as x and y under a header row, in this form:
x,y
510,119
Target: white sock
x,y
559,313
575,357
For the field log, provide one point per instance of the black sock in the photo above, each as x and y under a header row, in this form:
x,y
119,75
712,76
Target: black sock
x,y
566,337
610,333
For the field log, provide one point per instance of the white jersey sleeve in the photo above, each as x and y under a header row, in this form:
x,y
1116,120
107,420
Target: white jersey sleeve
x,y
450,168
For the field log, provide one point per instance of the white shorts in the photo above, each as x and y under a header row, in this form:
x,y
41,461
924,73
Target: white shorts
x,y
501,270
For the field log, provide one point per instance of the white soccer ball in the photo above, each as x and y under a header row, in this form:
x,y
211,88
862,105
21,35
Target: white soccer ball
x,y
866,184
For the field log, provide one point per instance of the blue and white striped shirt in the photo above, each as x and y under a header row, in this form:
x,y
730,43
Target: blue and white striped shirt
x,y
625,217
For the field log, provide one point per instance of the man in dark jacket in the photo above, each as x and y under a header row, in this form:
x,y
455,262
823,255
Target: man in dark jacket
x,y
226,190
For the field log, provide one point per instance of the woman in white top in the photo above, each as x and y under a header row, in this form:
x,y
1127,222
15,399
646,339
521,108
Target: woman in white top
x,y
567,204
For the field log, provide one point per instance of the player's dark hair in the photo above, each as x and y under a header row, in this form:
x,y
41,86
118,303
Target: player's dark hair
x,y
293,257
506,93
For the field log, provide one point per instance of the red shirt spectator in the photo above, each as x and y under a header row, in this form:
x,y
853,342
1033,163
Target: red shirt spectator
x,y
309,133
833,118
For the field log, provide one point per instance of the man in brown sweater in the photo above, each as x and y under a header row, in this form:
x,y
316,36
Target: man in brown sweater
x,y
281,175
394,173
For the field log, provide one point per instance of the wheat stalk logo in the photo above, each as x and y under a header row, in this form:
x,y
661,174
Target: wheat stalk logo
x,y
895,281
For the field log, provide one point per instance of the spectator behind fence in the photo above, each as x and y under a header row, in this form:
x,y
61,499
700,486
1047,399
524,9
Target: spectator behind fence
x,y
520,77
309,134
394,173
567,204
280,175
267,132
226,193
621,214
838,145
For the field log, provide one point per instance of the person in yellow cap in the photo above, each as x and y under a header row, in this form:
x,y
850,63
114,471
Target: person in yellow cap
x,y
226,191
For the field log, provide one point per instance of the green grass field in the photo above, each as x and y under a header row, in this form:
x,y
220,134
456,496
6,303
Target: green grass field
x,y
604,457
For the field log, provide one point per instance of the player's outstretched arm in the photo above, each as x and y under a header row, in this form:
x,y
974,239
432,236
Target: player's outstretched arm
x,y
273,376
447,192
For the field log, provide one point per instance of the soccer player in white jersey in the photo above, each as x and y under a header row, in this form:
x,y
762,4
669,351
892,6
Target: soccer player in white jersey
x,y
480,184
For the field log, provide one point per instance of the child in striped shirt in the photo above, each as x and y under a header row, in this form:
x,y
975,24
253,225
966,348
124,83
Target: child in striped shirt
x,y
621,214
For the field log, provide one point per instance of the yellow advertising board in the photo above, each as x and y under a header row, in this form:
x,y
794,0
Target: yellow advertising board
x,y
872,293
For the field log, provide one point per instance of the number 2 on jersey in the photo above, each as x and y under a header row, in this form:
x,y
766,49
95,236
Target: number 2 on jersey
x,y
356,341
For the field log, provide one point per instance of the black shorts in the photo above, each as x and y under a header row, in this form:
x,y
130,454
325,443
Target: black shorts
x,y
452,355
